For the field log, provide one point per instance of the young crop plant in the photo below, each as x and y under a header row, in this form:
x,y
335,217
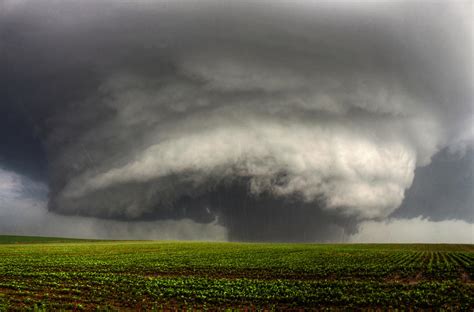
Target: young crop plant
x,y
154,276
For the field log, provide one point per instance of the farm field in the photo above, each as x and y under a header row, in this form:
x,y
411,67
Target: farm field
x,y
139,275
14,239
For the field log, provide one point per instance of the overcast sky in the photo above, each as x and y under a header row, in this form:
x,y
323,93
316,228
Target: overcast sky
x,y
237,120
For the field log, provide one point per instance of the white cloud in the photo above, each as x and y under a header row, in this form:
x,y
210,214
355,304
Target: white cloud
x,y
10,185
416,230
355,174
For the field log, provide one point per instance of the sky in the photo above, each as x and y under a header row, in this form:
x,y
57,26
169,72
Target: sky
x,y
314,121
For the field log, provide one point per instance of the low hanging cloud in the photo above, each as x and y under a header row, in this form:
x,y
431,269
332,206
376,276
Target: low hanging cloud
x,y
281,124
415,230
23,211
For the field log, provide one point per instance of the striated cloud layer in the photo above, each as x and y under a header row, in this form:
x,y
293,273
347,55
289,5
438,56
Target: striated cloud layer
x,y
275,120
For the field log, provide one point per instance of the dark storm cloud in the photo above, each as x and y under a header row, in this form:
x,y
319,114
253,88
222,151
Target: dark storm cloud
x,y
23,212
284,121
442,190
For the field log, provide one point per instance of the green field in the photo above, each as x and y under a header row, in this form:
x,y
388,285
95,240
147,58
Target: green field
x,y
131,275
14,239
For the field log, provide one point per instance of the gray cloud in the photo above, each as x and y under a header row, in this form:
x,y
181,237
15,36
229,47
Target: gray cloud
x,y
23,210
286,114
442,190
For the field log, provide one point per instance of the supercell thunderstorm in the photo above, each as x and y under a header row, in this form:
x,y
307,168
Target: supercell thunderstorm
x,y
277,124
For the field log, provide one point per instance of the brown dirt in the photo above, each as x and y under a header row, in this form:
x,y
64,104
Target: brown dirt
x,y
411,280
465,277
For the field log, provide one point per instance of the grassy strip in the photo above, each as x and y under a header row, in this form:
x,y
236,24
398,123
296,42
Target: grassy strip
x,y
15,239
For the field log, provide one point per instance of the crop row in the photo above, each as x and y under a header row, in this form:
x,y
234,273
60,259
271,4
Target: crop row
x,y
133,291
206,275
277,263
